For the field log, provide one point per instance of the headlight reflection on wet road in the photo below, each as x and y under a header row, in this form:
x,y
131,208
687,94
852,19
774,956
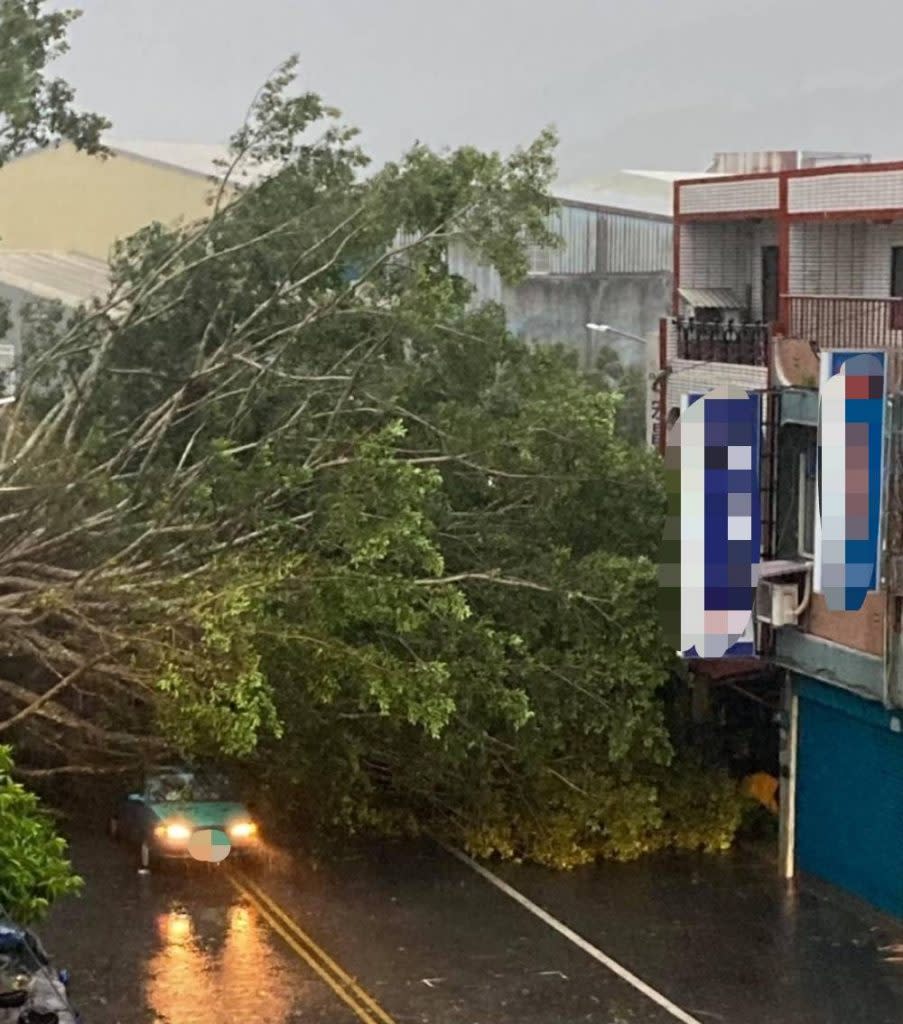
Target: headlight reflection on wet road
x,y
177,927
192,977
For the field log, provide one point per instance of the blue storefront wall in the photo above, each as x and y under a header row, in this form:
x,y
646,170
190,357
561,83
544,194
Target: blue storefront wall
x,y
849,804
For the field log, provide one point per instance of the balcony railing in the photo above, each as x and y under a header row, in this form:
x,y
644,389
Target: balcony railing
x,y
745,344
839,321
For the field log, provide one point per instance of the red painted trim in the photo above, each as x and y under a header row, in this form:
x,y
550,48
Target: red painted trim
x,y
783,259
888,213
801,172
689,218
817,172
783,177
718,178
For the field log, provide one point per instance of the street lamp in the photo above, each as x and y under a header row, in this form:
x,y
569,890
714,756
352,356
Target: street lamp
x,y
606,329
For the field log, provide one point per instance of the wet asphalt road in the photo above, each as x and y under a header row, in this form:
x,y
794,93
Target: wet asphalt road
x,y
430,941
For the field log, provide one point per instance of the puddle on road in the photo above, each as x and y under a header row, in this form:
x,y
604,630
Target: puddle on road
x,y
207,963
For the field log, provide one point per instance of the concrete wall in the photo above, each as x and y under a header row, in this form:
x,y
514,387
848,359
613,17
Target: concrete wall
x,y
556,308
59,199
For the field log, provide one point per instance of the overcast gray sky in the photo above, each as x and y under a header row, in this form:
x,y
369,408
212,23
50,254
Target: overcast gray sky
x,y
628,83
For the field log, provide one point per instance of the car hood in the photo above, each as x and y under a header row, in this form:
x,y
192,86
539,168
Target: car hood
x,y
202,813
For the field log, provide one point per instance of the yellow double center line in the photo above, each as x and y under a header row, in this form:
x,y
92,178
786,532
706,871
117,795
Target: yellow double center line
x,y
345,987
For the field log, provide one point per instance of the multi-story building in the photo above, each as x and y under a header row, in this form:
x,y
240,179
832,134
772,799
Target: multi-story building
x,y
772,268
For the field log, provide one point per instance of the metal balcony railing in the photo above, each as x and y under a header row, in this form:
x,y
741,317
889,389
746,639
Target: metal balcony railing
x,y
745,344
840,321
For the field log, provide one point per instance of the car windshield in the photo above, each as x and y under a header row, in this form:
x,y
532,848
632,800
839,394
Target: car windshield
x,y
175,786
21,955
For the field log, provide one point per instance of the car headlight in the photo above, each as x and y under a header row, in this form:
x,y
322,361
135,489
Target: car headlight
x,y
243,830
174,833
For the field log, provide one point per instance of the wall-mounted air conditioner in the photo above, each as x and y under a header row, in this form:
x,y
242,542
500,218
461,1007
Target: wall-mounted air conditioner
x,y
777,603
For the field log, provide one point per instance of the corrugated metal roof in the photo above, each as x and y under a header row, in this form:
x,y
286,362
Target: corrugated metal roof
x,y
65,277
673,176
642,192
621,192
711,298
195,157
199,158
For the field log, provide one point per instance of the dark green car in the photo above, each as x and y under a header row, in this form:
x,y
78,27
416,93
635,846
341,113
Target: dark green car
x,y
182,813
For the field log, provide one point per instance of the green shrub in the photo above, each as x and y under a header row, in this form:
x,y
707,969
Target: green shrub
x,y
34,869
687,807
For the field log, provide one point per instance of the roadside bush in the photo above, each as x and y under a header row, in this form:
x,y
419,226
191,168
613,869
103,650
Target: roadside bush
x,y
687,808
702,809
34,869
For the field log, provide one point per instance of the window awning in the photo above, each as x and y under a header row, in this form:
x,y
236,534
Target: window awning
x,y
711,298
783,567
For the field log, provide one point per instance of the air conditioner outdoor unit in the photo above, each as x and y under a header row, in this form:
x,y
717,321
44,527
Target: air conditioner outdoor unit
x,y
776,603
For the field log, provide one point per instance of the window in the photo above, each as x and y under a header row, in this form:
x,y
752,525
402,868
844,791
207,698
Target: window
x,y
172,787
770,283
896,287
806,502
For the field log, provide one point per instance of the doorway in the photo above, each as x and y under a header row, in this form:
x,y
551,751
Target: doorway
x,y
770,283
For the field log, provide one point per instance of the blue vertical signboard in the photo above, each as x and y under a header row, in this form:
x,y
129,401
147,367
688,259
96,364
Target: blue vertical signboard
x,y
850,474
713,537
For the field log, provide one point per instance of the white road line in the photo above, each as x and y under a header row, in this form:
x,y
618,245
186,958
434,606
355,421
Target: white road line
x,y
577,940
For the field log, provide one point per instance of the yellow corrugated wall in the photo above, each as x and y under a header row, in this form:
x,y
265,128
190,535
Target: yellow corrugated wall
x,y
63,200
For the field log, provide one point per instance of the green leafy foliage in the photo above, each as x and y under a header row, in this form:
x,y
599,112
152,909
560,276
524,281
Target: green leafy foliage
x,y
36,110
34,869
303,505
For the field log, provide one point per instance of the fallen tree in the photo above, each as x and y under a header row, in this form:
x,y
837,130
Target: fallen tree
x,y
285,497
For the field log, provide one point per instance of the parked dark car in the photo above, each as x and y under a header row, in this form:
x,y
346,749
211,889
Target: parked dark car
x,y
175,803
31,991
